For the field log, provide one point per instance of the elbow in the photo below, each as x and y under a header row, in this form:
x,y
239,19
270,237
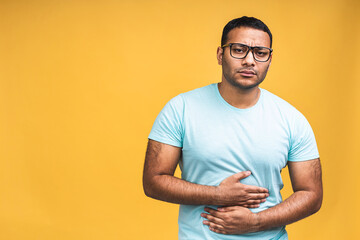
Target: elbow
x,y
317,204
148,189
148,192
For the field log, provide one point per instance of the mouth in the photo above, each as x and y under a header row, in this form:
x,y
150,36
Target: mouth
x,y
247,73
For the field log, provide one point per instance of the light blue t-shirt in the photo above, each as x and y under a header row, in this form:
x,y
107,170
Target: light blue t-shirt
x,y
219,140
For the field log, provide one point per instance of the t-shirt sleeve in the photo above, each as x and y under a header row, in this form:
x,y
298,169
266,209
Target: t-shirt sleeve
x,y
302,141
168,126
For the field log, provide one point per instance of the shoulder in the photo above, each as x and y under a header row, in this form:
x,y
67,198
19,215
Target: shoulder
x,y
190,98
199,92
279,104
193,95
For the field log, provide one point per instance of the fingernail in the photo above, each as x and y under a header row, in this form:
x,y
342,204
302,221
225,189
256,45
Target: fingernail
x,y
248,172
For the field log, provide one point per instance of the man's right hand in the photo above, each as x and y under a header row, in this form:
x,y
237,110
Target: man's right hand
x,y
232,192
160,183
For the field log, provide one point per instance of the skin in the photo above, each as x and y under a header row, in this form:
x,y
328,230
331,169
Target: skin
x,y
240,90
306,200
160,183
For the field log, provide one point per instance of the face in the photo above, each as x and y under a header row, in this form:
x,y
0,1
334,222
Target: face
x,y
244,73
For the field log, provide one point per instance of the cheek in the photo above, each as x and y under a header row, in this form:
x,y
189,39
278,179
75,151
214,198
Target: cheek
x,y
263,70
229,66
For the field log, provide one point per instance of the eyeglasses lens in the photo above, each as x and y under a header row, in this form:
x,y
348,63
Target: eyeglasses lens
x,y
240,51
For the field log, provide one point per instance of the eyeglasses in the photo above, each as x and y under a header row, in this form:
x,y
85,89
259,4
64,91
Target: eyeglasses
x,y
240,51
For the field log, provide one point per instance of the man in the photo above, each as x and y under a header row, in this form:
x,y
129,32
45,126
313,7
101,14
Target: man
x,y
232,140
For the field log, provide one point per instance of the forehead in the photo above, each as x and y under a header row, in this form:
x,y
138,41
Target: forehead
x,y
249,36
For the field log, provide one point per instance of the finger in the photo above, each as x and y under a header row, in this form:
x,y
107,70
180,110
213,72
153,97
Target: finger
x,y
213,212
251,206
229,209
256,196
255,189
251,202
215,227
240,175
212,219
217,230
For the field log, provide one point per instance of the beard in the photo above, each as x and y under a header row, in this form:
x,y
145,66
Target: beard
x,y
241,82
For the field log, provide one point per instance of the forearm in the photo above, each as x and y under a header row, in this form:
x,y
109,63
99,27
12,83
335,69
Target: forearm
x,y
306,200
160,183
172,189
298,206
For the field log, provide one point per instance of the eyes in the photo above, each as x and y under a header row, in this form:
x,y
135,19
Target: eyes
x,y
261,53
240,51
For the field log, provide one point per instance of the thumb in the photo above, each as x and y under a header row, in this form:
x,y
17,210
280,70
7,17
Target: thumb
x,y
241,175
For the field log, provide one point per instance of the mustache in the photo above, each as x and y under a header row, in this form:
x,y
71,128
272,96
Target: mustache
x,y
246,69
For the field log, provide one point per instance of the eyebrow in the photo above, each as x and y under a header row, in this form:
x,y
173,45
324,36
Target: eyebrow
x,y
249,45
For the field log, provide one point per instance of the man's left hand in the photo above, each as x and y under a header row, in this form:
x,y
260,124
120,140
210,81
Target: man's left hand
x,y
230,220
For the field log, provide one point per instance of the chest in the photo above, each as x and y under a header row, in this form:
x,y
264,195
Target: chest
x,y
235,142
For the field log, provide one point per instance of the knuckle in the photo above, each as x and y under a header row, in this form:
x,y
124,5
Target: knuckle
x,y
259,196
227,219
242,194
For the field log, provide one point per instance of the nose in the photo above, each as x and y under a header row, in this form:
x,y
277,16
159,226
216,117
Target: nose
x,y
249,59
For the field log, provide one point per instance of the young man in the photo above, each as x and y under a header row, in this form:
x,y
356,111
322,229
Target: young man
x,y
232,140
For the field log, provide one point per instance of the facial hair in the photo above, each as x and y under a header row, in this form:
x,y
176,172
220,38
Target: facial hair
x,y
232,79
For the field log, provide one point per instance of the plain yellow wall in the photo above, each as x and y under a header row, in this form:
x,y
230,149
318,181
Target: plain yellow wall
x,y
81,83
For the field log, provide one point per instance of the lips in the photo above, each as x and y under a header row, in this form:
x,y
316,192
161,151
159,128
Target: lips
x,y
247,73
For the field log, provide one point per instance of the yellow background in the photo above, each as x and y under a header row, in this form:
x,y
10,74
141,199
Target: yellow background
x,y
81,83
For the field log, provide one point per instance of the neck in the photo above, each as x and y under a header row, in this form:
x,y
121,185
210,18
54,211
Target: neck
x,y
237,97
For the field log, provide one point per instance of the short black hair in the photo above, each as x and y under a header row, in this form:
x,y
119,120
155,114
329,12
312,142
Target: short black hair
x,y
245,21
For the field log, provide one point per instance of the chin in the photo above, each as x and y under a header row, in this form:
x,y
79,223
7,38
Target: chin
x,y
245,86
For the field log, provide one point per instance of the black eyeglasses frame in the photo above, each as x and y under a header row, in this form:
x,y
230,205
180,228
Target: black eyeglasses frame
x,y
249,48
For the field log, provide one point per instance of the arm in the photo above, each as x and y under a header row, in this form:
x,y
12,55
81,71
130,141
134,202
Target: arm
x,y
306,200
160,183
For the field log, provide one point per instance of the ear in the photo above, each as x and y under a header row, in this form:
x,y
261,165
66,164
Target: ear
x,y
270,59
219,55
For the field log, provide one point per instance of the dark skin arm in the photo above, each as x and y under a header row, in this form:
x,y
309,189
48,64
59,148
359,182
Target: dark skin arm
x,y
160,183
306,200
